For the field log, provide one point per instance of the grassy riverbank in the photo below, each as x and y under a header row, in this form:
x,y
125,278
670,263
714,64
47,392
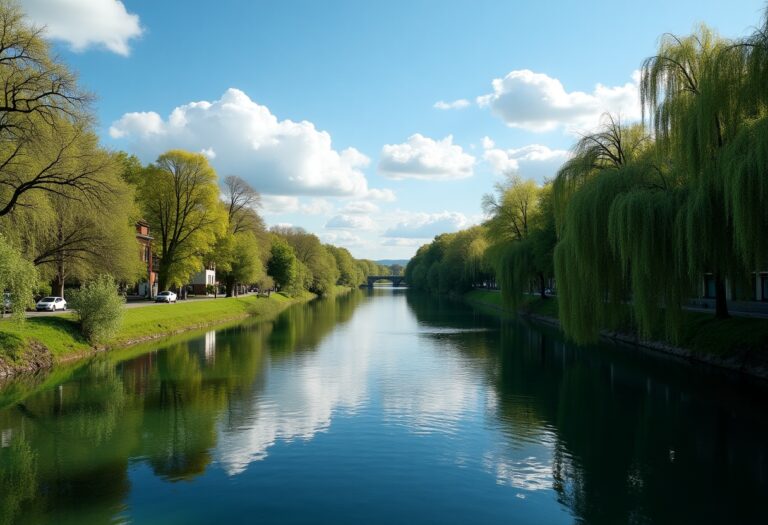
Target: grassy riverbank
x,y
53,339
740,338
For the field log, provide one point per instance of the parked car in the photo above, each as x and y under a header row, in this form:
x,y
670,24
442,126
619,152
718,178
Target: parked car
x,y
51,304
165,297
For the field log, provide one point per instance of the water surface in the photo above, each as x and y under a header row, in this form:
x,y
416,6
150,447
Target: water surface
x,y
383,408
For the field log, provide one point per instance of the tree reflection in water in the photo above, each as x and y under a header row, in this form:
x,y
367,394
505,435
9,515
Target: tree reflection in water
x,y
69,446
613,436
627,431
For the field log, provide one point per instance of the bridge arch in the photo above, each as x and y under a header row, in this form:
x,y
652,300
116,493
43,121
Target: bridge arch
x,y
396,280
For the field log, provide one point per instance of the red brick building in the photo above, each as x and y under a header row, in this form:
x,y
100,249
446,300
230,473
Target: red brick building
x,y
147,287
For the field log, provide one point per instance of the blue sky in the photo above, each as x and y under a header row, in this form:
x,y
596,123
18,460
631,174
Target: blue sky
x,y
329,108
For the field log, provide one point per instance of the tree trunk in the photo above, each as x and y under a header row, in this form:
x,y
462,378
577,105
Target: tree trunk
x,y
721,304
162,279
230,283
57,286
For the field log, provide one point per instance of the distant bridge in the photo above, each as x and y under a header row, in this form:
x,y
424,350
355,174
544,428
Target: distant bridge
x,y
396,280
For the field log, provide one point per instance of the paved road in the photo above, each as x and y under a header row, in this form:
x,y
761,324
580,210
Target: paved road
x,y
129,304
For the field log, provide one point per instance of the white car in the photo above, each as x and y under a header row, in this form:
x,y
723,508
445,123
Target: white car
x,y
51,304
165,297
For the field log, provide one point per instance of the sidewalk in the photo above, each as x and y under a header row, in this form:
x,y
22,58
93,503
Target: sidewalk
x,y
139,302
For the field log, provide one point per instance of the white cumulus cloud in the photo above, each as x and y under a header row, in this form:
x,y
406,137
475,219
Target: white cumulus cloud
x,y
86,23
360,207
277,204
456,104
278,157
383,195
401,242
343,238
424,158
427,225
534,161
317,207
538,102
350,222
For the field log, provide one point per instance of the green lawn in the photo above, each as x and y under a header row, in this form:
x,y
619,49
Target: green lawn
x,y
61,335
701,332
169,318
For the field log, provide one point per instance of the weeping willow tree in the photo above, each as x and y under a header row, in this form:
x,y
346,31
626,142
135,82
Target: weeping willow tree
x,y
513,265
746,191
644,230
478,269
599,256
621,247
744,161
692,91
611,147
590,277
641,224
521,234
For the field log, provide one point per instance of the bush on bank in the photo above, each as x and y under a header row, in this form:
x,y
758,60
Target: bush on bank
x,y
99,309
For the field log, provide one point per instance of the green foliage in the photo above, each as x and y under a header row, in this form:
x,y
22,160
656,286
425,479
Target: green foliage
x,y
66,240
43,113
179,197
99,309
18,277
745,188
642,226
521,232
452,263
325,273
301,281
513,262
589,274
282,263
638,214
18,477
238,260
512,209
350,274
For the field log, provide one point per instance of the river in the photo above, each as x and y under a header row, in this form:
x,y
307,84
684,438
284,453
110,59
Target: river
x,y
383,407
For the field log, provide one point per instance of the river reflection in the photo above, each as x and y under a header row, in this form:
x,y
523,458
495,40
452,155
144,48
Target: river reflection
x,y
380,408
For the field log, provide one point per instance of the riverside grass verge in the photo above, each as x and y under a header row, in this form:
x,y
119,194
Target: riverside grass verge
x,y
738,343
44,341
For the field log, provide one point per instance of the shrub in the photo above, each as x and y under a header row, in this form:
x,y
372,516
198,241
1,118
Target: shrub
x,y
18,277
99,309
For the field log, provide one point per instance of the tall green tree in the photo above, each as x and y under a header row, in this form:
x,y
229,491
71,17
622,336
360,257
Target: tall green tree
x,y
179,196
239,253
43,115
521,233
320,264
608,212
282,264
692,110
350,273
